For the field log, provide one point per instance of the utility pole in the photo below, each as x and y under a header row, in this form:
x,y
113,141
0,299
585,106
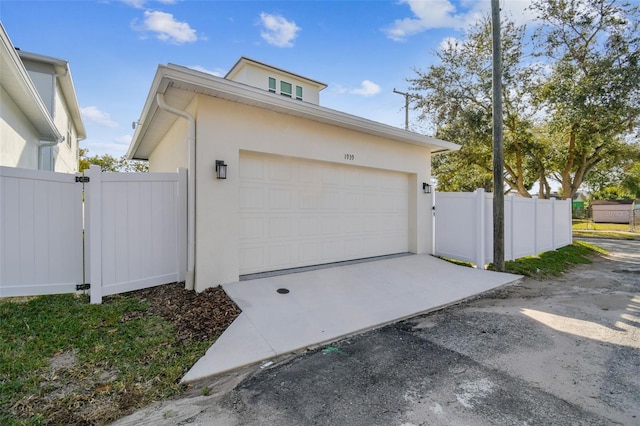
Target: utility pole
x,y
498,155
406,107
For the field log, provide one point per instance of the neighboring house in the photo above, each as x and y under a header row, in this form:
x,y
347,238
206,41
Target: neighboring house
x,y
40,122
302,184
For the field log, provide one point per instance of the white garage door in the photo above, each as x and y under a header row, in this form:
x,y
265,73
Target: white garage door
x,y
298,213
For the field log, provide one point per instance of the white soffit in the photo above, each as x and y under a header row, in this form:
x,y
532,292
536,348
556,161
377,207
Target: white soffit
x,y
172,79
16,81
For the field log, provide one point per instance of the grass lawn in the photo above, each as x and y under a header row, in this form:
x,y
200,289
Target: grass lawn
x,y
64,361
587,228
554,262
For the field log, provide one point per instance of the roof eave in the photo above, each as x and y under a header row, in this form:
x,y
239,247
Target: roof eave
x,y
63,72
29,101
233,91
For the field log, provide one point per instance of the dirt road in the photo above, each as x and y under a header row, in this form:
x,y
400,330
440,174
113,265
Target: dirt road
x,y
553,351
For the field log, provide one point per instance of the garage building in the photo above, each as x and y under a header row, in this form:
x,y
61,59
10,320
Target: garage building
x,y
277,181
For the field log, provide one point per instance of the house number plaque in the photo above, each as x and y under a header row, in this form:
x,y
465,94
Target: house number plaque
x,y
350,157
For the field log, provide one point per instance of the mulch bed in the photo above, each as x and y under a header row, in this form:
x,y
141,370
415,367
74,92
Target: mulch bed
x,y
195,316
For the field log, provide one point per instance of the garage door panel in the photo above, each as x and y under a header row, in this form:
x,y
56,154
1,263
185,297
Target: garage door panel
x,y
332,250
353,224
280,226
252,258
280,172
332,225
252,197
309,226
253,169
330,176
330,200
310,200
297,212
280,198
252,228
280,255
309,252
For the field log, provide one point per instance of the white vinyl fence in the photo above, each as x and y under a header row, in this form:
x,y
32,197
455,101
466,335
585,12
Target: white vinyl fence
x,y
132,234
40,232
464,226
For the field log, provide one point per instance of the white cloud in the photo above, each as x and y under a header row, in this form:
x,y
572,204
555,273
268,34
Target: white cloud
x,y
278,31
217,72
426,14
92,114
167,28
123,140
367,88
140,4
450,44
444,14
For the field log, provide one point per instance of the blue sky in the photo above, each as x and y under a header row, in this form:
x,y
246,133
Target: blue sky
x,y
361,49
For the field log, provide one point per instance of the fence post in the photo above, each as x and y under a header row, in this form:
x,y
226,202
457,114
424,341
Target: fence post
x,y
512,226
93,198
181,205
570,205
553,223
480,228
433,221
536,226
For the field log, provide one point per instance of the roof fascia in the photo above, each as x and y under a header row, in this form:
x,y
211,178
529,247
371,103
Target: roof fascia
x,y
226,89
243,59
63,72
20,76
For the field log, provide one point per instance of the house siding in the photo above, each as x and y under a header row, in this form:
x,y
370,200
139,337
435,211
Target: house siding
x,y
19,147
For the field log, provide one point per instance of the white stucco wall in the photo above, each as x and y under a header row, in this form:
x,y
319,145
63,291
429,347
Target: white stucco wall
x,y
256,76
224,129
65,154
172,151
19,147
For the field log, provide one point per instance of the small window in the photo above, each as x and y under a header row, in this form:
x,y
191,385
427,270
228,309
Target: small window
x,y
285,88
69,133
299,93
272,85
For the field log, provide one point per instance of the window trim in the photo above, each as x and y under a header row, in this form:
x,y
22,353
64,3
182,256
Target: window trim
x,y
286,93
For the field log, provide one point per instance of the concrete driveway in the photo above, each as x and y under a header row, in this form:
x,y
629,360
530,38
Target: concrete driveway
x,y
562,351
286,313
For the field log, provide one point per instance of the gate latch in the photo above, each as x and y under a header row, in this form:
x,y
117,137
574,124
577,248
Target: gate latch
x,y
82,179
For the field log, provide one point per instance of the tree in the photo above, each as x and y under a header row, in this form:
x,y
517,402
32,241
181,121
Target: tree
x,y
108,163
456,95
618,178
591,96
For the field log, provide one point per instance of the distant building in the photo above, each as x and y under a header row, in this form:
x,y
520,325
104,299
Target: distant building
x,y
612,211
40,122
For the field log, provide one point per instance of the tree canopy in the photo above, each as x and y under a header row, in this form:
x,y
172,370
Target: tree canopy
x,y
571,100
108,163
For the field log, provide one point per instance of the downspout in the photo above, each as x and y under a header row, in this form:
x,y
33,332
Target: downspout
x,y
191,188
47,145
42,145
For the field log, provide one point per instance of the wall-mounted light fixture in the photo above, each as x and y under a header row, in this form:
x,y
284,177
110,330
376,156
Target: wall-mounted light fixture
x,y
221,169
426,188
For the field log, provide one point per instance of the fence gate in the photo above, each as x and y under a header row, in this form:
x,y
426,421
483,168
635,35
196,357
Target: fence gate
x,y
40,232
128,234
